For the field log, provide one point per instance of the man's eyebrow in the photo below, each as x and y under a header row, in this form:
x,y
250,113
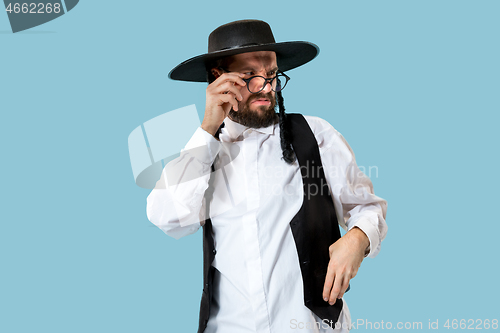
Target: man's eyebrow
x,y
246,69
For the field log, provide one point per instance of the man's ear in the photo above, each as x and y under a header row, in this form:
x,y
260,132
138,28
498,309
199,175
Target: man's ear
x,y
216,72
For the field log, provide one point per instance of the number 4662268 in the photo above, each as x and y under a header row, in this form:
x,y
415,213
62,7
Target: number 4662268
x,y
33,8
472,324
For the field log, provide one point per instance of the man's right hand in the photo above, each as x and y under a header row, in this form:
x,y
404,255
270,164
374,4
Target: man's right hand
x,y
222,95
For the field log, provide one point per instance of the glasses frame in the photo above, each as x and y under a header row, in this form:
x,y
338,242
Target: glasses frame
x,y
270,80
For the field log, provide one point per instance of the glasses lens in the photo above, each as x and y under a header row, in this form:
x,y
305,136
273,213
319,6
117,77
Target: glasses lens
x,y
256,84
280,82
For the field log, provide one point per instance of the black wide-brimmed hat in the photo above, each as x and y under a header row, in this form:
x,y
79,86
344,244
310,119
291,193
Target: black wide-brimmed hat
x,y
241,37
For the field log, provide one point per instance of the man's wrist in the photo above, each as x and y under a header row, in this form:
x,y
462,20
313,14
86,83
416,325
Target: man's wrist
x,y
361,239
209,129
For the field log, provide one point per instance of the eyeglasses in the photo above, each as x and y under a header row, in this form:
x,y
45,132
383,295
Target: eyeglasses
x,y
257,83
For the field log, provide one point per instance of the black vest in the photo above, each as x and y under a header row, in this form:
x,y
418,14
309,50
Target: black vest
x,y
314,228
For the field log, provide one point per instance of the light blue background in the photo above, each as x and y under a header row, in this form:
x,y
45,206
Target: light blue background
x,y
412,85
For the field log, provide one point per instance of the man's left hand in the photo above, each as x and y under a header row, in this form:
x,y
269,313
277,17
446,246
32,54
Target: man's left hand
x,y
346,255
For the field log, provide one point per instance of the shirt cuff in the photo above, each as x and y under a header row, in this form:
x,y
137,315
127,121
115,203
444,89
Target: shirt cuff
x,y
371,232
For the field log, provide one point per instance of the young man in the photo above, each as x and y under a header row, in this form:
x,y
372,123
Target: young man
x,y
269,190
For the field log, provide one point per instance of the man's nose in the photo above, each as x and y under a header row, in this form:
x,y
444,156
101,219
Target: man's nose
x,y
267,87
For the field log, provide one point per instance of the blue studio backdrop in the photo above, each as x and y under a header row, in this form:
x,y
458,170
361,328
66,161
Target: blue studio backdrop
x,y
412,85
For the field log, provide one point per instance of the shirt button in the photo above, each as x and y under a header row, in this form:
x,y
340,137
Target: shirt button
x,y
214,251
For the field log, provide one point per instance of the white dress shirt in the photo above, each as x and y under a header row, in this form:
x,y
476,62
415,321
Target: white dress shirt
x,y
255,194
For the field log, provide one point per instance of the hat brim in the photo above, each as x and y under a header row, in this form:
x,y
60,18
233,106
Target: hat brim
x,y
289,55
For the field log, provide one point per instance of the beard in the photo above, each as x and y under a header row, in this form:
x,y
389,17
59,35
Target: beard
x,y
264,116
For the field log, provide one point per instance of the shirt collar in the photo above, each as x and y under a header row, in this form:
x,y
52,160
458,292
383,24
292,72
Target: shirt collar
x,y
233,129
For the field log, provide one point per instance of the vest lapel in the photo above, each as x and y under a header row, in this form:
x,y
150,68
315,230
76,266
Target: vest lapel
x,y
315,226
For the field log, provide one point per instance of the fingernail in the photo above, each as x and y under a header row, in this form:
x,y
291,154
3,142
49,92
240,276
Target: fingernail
x,y
331,303
326,299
